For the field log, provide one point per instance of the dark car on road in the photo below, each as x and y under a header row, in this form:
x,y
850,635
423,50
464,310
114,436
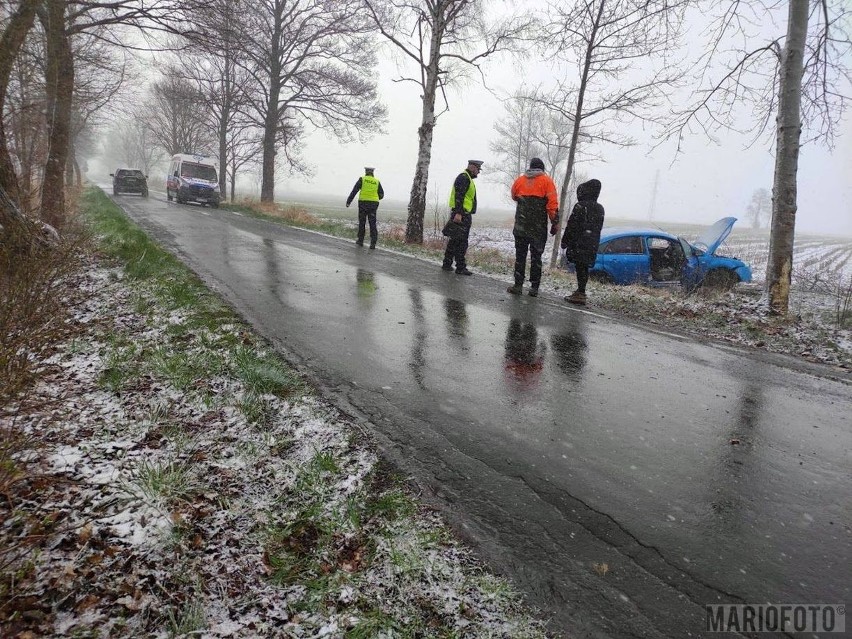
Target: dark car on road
x,y
129,181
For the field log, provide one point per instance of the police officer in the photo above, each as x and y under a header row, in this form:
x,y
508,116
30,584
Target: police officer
x,y
371,192
462,207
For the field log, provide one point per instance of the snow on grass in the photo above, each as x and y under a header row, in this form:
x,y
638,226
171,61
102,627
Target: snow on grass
x,y
229,507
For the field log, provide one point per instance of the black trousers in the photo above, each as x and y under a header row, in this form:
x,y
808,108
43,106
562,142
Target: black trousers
x,y
367,211
582,276
457,246
522,246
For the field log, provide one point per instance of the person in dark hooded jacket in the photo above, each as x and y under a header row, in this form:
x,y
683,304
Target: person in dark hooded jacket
x,y
535,193
582,235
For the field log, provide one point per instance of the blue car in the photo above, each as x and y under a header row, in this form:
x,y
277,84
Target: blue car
x,y
656,258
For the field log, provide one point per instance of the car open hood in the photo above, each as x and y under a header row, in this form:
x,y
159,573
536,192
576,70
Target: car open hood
x,y
710,239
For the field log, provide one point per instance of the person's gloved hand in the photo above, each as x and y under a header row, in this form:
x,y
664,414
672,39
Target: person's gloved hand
x,y
457,216
554,229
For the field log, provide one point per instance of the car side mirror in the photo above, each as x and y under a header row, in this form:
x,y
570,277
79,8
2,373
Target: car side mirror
x,y
112,174
176,175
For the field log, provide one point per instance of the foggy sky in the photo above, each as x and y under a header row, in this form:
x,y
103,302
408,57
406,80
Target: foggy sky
x,y
706,182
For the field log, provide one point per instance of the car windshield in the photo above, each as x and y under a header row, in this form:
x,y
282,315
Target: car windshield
x,y
200,171
130,173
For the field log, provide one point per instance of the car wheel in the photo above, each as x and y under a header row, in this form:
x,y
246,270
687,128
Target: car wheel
x,y
720,279
145,193
114,191
215,205
180,199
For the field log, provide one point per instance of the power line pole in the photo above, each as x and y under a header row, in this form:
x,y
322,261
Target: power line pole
x,y
654,195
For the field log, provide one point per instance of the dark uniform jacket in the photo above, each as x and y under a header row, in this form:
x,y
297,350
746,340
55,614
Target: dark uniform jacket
x,y
535,193
583,229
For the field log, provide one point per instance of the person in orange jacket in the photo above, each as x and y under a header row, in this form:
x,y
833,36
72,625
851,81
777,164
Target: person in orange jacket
x,y
535,193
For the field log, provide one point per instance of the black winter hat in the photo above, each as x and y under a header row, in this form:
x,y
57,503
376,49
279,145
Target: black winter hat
x,y
537,163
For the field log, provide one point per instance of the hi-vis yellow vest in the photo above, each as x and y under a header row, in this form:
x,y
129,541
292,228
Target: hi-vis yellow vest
x,y
369,189
469,195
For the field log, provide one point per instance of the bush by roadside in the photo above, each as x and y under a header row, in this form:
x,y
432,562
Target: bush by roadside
x,y
185,481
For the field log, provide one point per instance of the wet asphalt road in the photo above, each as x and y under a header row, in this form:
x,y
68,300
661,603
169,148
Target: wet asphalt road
x,y
588,459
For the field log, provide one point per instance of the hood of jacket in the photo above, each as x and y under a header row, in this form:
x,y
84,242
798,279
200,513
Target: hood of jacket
x,y
533,173
589,190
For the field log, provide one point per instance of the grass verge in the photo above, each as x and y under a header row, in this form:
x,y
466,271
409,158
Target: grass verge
x,y
199,487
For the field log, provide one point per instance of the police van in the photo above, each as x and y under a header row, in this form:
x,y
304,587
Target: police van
x,y
193,178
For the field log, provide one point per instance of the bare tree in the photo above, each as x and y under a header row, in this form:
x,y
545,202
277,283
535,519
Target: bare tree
x,y
800,79
310,65
244,149
530,129
14,33
24,123
213,61
63,22
100,73
611,39
130,143
444,39
782,233
176,116
516,139
759,210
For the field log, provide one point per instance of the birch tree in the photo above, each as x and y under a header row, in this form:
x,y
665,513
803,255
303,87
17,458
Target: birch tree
x,y
794,81
310,65
631,40
442,39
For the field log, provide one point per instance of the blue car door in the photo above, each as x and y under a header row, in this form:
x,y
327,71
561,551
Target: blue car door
x,y
625,259
692,272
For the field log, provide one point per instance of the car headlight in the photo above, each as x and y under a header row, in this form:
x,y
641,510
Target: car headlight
x,y
216,189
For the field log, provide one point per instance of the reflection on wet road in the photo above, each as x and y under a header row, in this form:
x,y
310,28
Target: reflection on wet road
x,y
557,440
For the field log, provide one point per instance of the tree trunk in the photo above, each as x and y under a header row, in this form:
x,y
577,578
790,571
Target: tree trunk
x,y
417,200
13,37
779,267
267,184
223,158
564,212
69,166
272,116
224,118
59,77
